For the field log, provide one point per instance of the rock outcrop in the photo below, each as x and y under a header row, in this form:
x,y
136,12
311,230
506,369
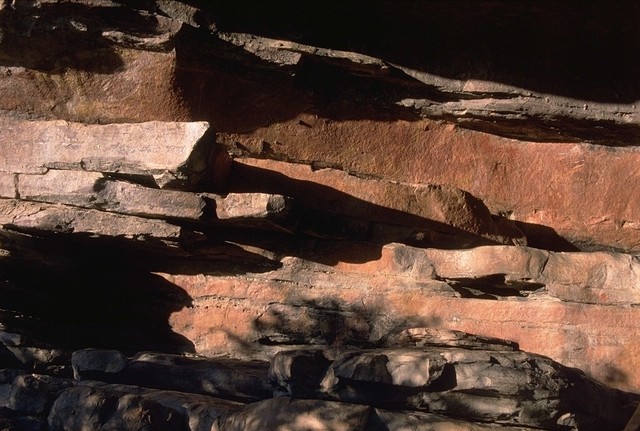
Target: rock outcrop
x,y
238,217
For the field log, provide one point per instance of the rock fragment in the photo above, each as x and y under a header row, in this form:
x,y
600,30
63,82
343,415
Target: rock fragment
x,y
49,218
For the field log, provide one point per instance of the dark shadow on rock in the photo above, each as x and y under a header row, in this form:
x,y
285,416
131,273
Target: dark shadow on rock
x,y
588,52
248,92
331,322
73,291
553,49
544,237
330,213
493,287
99,304
56,37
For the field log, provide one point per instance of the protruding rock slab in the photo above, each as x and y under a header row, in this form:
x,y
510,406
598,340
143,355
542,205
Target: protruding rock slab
x,y
198,412
81,408
250,205
175,154
440,208
598,278
232,379
516,263
49,218
577,193
586,277
94,190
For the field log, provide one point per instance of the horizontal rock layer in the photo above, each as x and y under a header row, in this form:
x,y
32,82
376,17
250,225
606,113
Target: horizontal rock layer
x,y
435,385
362,302
181,181
167,152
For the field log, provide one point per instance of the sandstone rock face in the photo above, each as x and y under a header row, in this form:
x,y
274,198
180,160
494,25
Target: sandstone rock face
x,y
160,150
363,303
233,216
587,195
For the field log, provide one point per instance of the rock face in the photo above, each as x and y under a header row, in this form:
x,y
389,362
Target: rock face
x,y
235,217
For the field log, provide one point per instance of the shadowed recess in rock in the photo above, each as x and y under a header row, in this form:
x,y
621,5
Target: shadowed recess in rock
x,y
552,48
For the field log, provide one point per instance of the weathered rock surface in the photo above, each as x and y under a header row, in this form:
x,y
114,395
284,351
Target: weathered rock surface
x,y
93,190
214,184
287,413
97,363
598,277
586,196
479,385
449,385
40,217
92,408
246,381
445,210
172,154
34,394
364,302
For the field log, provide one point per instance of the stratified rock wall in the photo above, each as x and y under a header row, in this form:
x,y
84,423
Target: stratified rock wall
x,y
380,215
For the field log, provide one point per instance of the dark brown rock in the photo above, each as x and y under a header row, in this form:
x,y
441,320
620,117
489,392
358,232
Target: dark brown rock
x,y
231,379
418,421
199,412
296,415
508,387
82,408
34,394
97,364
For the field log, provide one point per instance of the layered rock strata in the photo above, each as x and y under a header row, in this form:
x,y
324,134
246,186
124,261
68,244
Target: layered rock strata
x,y
451,379
221,217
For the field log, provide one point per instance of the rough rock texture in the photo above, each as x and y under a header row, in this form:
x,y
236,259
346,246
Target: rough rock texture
x,y
346,302
169,152
396,214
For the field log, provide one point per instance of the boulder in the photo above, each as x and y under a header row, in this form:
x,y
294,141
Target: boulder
x,y
97,364
199,412
80,408
510,387
226,378
34,395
